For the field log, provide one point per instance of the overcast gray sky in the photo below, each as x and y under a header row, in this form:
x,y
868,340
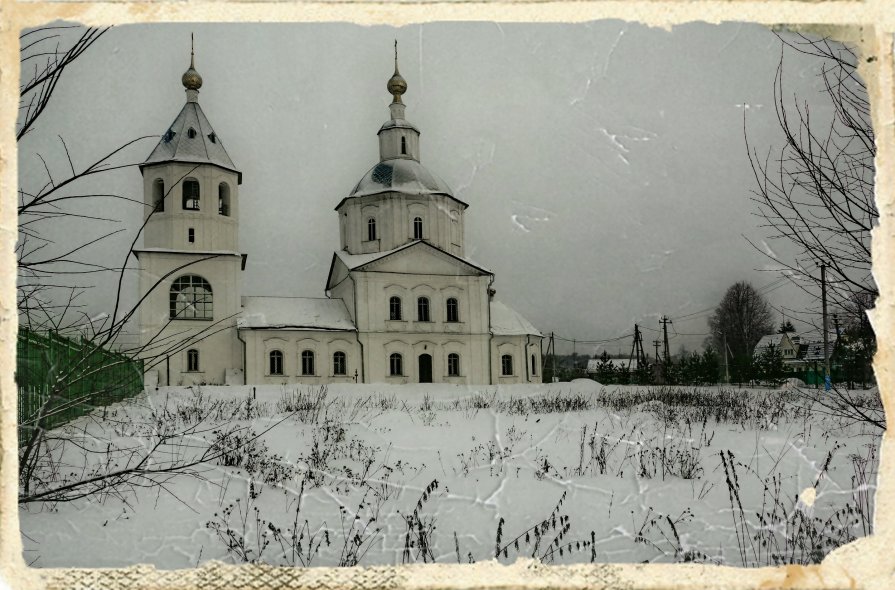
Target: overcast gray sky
x,y
604,163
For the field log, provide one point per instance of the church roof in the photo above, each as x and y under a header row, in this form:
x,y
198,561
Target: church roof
x,y
400,175
205,147
353,261
294,313
508,322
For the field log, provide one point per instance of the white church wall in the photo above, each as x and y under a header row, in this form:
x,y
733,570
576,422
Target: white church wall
x,y
379,347
344,290
521,348
394,214
292,343
215,339
170,228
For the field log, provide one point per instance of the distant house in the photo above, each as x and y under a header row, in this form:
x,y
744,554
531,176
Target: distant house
x,y
786,343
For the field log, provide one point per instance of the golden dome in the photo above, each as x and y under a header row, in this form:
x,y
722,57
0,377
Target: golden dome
x,y
191,79
397,85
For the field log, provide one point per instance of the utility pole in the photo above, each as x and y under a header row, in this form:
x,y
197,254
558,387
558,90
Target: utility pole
x,y
823,297
634,346
665,322
726,368
553,346
656,344
641,356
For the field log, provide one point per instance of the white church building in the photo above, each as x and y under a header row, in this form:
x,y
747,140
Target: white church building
x,y
403,304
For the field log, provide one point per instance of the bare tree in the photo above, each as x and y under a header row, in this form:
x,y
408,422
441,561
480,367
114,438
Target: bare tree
x,y
52,271
49,294
816,191
742,317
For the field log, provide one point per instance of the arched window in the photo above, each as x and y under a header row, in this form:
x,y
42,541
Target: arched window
x,y
534,366
307,362
395,364
192,360
224,199
403,145
340,365
371,229
394,308
276,362
417,228
422,309
453,364
506,365
453,310
191,195
191,299
158,194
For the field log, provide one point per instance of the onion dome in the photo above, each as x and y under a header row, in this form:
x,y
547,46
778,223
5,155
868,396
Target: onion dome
x,y
397,85
191,79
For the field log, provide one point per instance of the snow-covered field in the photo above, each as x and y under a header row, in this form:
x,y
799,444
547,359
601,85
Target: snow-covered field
x,y
376,474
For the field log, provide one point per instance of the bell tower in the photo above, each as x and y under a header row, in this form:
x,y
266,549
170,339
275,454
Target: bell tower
x,y
190,262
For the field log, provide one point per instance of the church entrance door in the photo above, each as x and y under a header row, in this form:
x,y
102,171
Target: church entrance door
x,y
425,366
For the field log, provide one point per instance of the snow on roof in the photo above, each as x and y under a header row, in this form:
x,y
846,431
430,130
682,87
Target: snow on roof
x,y
815,350
768,340
400,175
204,147
508,322
190,252
353,261
294,313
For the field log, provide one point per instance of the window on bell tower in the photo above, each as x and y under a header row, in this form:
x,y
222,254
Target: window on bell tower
x,y
403,145
191,195
224,199
371,229
158,195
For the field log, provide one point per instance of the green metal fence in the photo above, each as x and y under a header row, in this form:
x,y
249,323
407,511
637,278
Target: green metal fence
x,y
61,378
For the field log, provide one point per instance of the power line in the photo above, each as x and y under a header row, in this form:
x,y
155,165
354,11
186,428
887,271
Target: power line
x,y
764,290
558,337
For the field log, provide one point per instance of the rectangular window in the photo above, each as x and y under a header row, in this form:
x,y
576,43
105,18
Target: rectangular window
x,y
339,363
192,360
506,365
453,311
191,235
307,362
394,308
453,365
422,309
276,362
